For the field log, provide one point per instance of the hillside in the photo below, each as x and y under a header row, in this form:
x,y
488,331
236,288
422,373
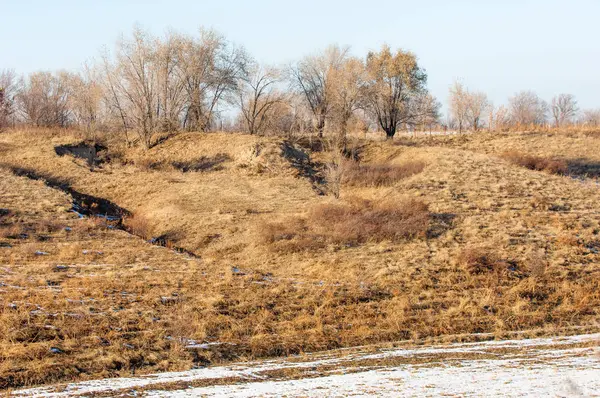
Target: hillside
x,y
223,247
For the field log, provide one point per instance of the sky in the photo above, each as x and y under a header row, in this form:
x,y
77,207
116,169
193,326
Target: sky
x,y
498,47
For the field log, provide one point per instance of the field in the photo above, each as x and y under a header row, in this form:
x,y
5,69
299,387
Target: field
x,y
232,247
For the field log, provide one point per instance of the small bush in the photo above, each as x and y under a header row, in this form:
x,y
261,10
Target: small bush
x,y
360,221
538,163
376,175
139,225
351,223
480,260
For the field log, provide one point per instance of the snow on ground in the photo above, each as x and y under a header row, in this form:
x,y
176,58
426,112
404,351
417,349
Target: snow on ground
x,y
555,367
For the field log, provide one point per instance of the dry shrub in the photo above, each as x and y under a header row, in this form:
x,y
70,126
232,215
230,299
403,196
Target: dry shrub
x,y
139,225
333,177
538,163
479,260
359,221
355,222
375,175
148,164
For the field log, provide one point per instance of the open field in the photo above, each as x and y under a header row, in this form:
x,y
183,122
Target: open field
x,y
432,240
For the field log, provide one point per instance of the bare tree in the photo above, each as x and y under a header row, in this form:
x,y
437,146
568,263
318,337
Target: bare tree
x,y
347,90
291,116
8,91
111,95
590,118
527,109
477,105
211,70
136,83
502,118
428,112
312,77
86,99
563,108
459,105
395,83
171,100
259,97
44,99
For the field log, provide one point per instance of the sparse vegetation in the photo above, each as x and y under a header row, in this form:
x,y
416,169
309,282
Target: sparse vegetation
x,y
351,223
531,162
467,244
378,175
176,204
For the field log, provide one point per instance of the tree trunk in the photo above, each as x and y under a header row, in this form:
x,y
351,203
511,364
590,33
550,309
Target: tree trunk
x,y
321,125
389,133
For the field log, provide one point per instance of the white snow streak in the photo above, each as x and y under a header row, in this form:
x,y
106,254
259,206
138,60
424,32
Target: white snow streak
x,y
534,367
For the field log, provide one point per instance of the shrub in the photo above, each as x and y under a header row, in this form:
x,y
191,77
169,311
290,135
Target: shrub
x,y
351,223
360,221
531,162
138,225
480,260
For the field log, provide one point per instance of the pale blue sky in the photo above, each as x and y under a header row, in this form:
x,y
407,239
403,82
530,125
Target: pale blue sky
x,y
500,47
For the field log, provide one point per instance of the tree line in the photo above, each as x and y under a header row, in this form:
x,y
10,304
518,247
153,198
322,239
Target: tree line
x,y
472,110
179,82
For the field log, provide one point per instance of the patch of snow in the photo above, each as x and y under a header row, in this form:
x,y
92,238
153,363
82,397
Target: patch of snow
x,y
536,367
566,377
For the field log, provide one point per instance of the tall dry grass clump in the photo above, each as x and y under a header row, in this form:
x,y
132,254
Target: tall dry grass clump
x,y
354,222
139,225
538,163
479,260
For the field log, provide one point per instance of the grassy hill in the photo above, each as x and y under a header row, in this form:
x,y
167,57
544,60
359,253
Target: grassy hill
x,y
434,238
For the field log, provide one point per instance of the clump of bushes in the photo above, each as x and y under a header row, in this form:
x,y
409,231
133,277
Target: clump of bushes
x,y
538,163
350,223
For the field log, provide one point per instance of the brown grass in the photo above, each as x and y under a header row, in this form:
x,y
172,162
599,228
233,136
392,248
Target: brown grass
x,y
481,260
512,251
538,163
139,225
351,223
378,175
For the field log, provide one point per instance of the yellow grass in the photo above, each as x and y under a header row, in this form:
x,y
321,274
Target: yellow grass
x,y
505,249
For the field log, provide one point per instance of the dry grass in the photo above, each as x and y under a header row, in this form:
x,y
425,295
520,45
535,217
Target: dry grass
x,y
351,223
481,260
139,225
364,269
379,175
538,163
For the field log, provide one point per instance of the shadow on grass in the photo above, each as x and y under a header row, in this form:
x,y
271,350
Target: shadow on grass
x,y
84,204
92,206
87,151
300,160
440,224
203,164
583,168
